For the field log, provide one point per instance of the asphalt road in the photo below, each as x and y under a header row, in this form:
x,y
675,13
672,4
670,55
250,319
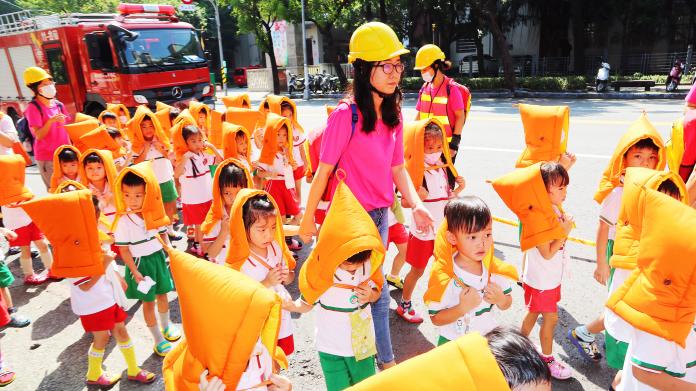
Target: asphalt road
x,y
51,353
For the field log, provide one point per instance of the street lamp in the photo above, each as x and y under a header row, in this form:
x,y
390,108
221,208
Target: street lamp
x,y
305,93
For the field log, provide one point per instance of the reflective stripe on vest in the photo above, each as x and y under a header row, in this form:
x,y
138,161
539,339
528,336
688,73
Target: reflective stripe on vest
x,y
425,97
444,120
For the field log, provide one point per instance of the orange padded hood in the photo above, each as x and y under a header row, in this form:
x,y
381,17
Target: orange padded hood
x,y
57,175
78,129
109,167
238,235
59,189
523,191
274,104
270,139
81,117
237,100
215,212
248,118
639,130
12,174
197,108
443,269
216,124
153,208
99,138
116,107
545,133
136,135
659,296
463,364
69,222
414,146
118,123
347,230
229,141
224,313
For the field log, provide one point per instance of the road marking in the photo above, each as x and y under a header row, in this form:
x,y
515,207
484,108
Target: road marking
x,y
518,151
509,118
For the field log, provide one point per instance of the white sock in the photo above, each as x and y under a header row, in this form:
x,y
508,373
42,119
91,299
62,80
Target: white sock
x,y
164,319
156,334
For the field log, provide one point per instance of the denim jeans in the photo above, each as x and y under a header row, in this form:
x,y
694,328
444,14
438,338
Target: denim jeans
x,y
380,308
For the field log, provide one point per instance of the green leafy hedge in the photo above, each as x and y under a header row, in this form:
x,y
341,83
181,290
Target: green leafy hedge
x,y
545,83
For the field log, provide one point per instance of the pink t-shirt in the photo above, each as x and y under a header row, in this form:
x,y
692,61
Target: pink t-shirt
x,y
455,102
56,136
367,159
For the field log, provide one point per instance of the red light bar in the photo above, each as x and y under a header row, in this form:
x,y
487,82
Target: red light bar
x,y
129,9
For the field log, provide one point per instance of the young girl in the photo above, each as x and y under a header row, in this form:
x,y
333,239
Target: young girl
x,y
99,173
425,138
257,234
236,144
230,177
193,172
66,166
201,114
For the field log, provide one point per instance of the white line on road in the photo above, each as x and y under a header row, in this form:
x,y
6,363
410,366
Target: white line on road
x,y
517,151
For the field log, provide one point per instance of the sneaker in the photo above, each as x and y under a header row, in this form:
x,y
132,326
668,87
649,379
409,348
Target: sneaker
x,y
162,348
18,322
294,245
410,316
35,279
171,333
394,281
587,350
559,370
13,251
174,236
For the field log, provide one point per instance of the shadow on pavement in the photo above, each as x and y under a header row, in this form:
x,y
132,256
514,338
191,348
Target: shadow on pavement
x,y
53,321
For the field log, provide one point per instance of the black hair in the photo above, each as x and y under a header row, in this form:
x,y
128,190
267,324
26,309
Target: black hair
x,y
189,131
173,113
239,135
95,202
113,132
360,257
517,358
469,214
266,105
442,65
361,89
109,114
286,105
432,130
231,176
670,188
92,158
132,179
34,87
645,143
68,155
553,173
256,208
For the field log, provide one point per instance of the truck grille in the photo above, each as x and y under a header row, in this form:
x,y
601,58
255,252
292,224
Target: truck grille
x,y
167,94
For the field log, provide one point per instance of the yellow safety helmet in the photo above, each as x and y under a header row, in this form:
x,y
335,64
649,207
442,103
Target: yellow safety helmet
x,y
35,74
427,55
375,41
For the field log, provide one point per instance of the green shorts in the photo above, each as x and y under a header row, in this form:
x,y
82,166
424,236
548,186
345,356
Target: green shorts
x,y
343,372
442,340
6,277
610,252
615,351
155,266
169,193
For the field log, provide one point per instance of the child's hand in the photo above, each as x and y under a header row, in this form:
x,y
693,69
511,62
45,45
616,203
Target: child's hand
x,y
137,276
460,181
279,383
567,160
273,278
422,193
601,273
364,293
567,223
468,299
493,294
8,234
215,384
285,276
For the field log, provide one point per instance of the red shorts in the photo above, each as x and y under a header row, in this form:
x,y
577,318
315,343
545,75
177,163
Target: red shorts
x,y
103,320
287,344
541,301
419,252
26,235
298,173
285,198
194,214
398,234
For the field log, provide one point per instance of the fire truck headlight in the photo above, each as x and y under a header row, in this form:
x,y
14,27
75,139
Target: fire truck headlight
x,y
140,99
206,89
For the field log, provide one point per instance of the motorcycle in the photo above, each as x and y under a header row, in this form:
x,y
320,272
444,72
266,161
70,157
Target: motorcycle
x,y
330,83
295,84
317,81
602,80
675,75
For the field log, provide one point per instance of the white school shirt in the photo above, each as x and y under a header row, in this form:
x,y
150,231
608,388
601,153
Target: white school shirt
x,y
210,237
130,231
609,210
438,196
333,332
14,218
104,294
657,355
258,369
281,170
481,319
258,271
7,127
298,140
614,324
545,274
691,357
196,182
161,165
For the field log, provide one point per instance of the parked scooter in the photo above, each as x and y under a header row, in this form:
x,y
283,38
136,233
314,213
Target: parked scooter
x,y
317,81
295,84
602,80
675,75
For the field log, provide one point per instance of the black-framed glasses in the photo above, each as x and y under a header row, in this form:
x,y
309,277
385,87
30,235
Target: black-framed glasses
x,y
388,68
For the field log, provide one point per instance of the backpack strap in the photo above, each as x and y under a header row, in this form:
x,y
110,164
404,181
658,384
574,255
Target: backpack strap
x,y
34,103
354,119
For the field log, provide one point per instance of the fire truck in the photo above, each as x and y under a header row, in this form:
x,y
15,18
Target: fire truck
x,y
140,55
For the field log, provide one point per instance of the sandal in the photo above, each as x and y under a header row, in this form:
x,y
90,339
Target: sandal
x,y
162,348
18,322
143,377
6,377
105,381
294,245
35,279
171,333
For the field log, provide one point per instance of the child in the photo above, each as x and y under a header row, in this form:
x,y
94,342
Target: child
x,y
6,280
66,165
126,157
109,119
466,284
426,138
236,144
289,111
257,226
230,177
193,172
201,114
7,376
151,143
399,236
141,220
99,302
342,276
12,168
640,146
99,174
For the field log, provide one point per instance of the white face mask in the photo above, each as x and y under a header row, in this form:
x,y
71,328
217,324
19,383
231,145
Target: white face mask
x,y
48,91
433,158
428,76
123,119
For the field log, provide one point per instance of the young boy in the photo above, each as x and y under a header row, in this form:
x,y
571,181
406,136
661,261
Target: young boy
x,y
109,119
467,283
640,146
126,157
432,174
66,163
148,280
99,173
342,277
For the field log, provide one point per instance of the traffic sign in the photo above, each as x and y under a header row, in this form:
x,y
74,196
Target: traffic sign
x,y
187,7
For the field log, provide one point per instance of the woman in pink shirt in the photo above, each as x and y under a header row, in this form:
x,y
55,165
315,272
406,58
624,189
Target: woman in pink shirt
x,y
46,117
363,138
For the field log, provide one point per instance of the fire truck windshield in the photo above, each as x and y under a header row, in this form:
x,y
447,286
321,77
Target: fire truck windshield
x,y
160,49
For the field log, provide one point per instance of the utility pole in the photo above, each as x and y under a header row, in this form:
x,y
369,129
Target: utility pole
x,y
223,65
305,93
